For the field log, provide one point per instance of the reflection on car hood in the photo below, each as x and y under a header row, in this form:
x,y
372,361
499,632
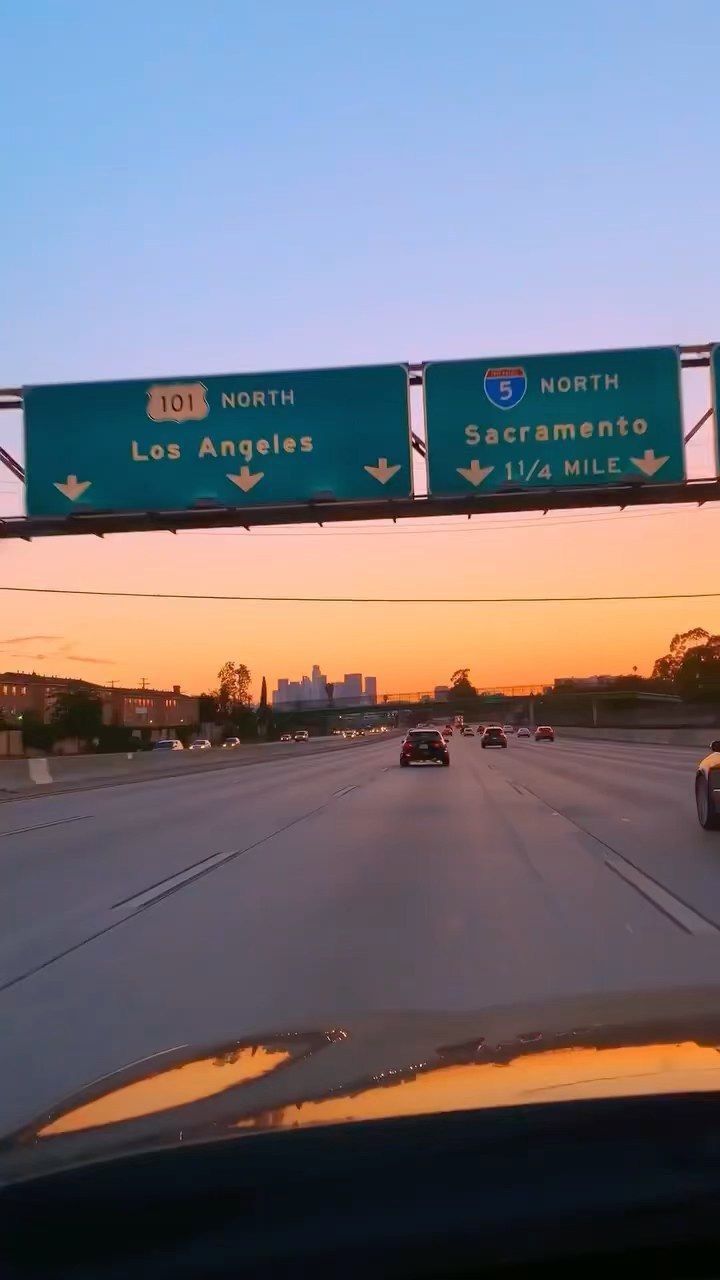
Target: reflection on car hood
x,y
379,1067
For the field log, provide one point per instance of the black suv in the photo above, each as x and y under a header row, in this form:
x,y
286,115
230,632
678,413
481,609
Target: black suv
x,y
421,745
494,736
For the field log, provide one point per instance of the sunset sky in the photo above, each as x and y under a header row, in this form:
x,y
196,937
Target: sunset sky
x,y
245,186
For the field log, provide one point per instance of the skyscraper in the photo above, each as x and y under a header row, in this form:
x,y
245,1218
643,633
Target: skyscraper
x,y
312,690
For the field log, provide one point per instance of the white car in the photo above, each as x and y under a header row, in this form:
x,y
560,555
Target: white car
x,y
168,744
200,744
302,735
524,732
231,742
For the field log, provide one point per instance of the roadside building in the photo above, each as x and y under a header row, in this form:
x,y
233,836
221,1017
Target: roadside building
x,y
23,693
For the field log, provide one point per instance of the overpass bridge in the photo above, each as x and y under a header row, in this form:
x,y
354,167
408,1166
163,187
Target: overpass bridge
x,y
400,709
522,703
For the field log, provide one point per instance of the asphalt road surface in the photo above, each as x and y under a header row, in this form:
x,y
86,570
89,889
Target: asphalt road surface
x,y
195,909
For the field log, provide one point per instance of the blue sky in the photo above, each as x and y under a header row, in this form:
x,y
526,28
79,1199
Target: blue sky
x,y
229,186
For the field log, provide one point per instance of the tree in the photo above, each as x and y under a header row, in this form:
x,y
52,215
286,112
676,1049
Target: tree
x,y
77,714
244,680
667,667
263,716
233,687
693,664
460,686
699,672
208,707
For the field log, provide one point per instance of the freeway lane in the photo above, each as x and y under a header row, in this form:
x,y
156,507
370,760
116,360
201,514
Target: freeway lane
x,y
319,888
66,859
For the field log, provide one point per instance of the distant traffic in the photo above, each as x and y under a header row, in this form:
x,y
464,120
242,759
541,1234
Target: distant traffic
x,y
429,744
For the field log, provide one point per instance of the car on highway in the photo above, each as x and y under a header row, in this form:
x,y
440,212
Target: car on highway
x,y
230,743
544,733
494,736
200,744
707,789
449,730
524,732
424,746
467,731
337,733
286,737
168,744
508,728
301,735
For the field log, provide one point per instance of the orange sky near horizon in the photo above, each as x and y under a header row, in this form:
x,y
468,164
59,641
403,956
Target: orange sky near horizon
x,y
408,647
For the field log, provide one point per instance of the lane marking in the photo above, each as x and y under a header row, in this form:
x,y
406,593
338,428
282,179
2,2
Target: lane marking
x,y
344,790
686,917
667,902
146,898
215,859
163,887
39,826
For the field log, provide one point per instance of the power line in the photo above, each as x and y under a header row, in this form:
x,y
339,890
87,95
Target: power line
x,y
174,595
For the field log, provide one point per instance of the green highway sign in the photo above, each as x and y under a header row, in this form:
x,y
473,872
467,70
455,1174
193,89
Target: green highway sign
x,y
236,440
590,418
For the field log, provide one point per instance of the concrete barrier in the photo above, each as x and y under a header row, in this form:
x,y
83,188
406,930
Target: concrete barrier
x,y
42,774
14,775
700,738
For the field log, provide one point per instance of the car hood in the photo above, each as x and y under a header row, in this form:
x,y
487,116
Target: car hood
x,y
378,1067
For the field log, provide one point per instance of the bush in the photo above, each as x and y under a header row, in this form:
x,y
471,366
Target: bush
x,y
35,734
116,738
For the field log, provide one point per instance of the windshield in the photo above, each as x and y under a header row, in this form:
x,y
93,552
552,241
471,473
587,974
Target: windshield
x,y
358,381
